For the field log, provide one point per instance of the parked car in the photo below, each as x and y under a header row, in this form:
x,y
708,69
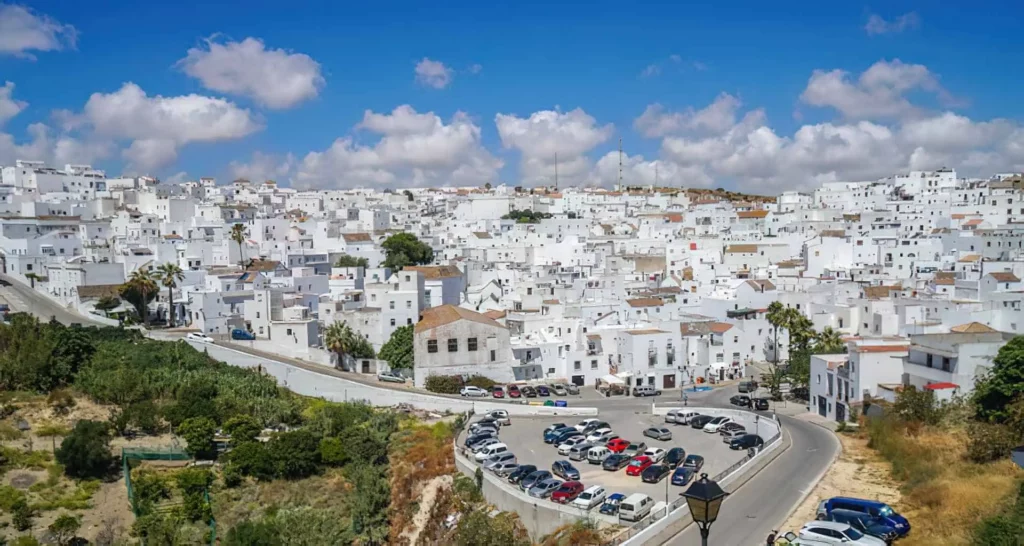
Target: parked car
x,y
498,391
747,386
543,391
713,425
564,447
698,421
746,441
474,439
198,337
761,404
671,416
682,475
550,436
655,453
694,462
598,454
600,436
470,390
533,478
611,504
831,532
500,416
616,461
596,426
741,400
484,428
617,445
489,451
564,470
658,433
579,451
567,492
728,427
485,422
390,377
582,425
729,435
504,469
638,465
514,392
545,488
521,472
634,449
675,457
684,417
635,507
505,457
646,390
590,497
484,443
529,392
559,390
655,473
872,507
572,388
573,433
553,427
242,335
866,523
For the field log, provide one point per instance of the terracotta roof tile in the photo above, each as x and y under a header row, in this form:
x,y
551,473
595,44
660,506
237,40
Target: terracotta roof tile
x,y
356,237
447,314
436,271
973,328
752,214
1004,276
741,249
645,302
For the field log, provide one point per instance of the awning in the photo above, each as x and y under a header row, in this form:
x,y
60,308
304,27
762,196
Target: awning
x,y
941,386
612,380
624,375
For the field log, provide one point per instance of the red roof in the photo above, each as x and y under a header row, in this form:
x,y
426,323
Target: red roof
x,y
940,386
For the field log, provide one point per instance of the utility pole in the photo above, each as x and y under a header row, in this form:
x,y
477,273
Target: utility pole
x,y
556,171
620,163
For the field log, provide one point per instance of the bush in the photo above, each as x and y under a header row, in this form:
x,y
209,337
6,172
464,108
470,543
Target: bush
x,y
61,401
252,460
242,429
231,475
22,515
198,433
296,454
485,383
444,384
988,442
85,453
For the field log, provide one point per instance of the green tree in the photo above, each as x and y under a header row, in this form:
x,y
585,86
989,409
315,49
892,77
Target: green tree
x,y
107,303
365,446
341,339
368,503
404,249
60,401
252,459
22,515
64,528
149,488
194,484
85,453
333,452
72,351
351,261
917,406
238,235
198,433
170,274
994,393
242,429
264,532
141,289
408,195
829,342
296,454
487,186
398,350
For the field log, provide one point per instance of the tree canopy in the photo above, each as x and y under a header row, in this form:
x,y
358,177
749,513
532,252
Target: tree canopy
x,y
526,216
404,249
351,261
1005,381
398,350
85,453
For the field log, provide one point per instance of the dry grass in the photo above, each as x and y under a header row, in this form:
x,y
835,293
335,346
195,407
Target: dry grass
x,y
418,454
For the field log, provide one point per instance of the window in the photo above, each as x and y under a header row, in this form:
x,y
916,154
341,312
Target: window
x,y
391,304
261,330
288,332
494,355
529,291
408,304
408,321
373,297
577,365
453,345
471,344
392,322
431,345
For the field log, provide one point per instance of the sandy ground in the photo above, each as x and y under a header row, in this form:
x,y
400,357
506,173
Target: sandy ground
x,y
426,504
858,472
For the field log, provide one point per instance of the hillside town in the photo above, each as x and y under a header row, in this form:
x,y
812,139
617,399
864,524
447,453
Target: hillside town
x,y
918,275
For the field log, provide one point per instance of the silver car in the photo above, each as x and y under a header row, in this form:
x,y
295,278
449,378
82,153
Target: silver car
x,y
484,443
504,469
544,489
658,433
730,435
506,457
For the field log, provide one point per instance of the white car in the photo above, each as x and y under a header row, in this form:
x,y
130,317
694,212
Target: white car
x,y
201,338
716,423
501,416
655,453
569,444
600,436
472,391
833,532
586,423
590,497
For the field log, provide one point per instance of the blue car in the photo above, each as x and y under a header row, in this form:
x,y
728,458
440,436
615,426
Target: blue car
x,y
551,436
874,508
243,335
682,475
565,470
611,504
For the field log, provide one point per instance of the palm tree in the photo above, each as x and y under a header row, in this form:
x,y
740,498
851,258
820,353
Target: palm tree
x,y
801,331
777,317
142,283
170,274
339,338
238,235
829,342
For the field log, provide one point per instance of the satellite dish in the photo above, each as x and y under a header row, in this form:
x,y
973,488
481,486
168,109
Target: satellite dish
x,y
1017,454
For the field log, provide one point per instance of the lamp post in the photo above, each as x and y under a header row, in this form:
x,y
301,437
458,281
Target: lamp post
x,y
704,498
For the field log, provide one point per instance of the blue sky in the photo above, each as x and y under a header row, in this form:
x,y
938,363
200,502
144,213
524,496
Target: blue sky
x,y
535,62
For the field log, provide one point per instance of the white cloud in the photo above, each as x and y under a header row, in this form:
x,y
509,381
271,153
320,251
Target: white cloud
x,y
263,167
650,70
55,149
475,68
878,25
548,134
433,74
715,118
22,30
274,78
9,107
177,178
159,126
414,149
638,171
878,93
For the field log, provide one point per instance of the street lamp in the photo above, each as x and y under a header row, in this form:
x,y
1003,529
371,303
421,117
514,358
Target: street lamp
x,y
704,497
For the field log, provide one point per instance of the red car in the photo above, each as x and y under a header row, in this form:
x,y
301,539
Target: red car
x,y
513,391
618,445
638,465
498,392
567,492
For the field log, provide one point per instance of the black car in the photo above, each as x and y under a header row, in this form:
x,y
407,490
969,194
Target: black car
x,y
746,441
528,392
761,404
698,421
543,391
533,478
741,400
521,472
561,438
695,462
595,426
555,426
474,438
655,473
674,457
552,435
565,470
616,461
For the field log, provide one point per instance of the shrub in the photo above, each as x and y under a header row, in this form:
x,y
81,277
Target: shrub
x,y
198,433
988,442
85,453
61,401
485,383
296,454
22,515
444,384
252,459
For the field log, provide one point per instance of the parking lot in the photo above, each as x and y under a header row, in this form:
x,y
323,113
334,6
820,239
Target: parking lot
x,y
525,438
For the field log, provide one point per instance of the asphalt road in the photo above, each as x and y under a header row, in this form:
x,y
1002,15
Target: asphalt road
x,y
24,299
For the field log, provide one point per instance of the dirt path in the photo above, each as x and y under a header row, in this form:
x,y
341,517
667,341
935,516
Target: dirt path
x,y
426,505
858,472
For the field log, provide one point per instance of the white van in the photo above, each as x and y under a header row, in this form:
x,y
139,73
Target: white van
x,y
490,451
598,454
635,507
672,415
645,390
683,417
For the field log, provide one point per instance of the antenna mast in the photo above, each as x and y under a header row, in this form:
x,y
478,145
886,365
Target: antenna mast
x,y
620,163
556,171
655,175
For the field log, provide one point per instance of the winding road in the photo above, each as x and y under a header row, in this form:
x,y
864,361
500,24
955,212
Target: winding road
x,y
24,299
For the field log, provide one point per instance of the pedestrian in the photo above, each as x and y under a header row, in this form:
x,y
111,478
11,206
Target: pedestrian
x,y
771,538
686,400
